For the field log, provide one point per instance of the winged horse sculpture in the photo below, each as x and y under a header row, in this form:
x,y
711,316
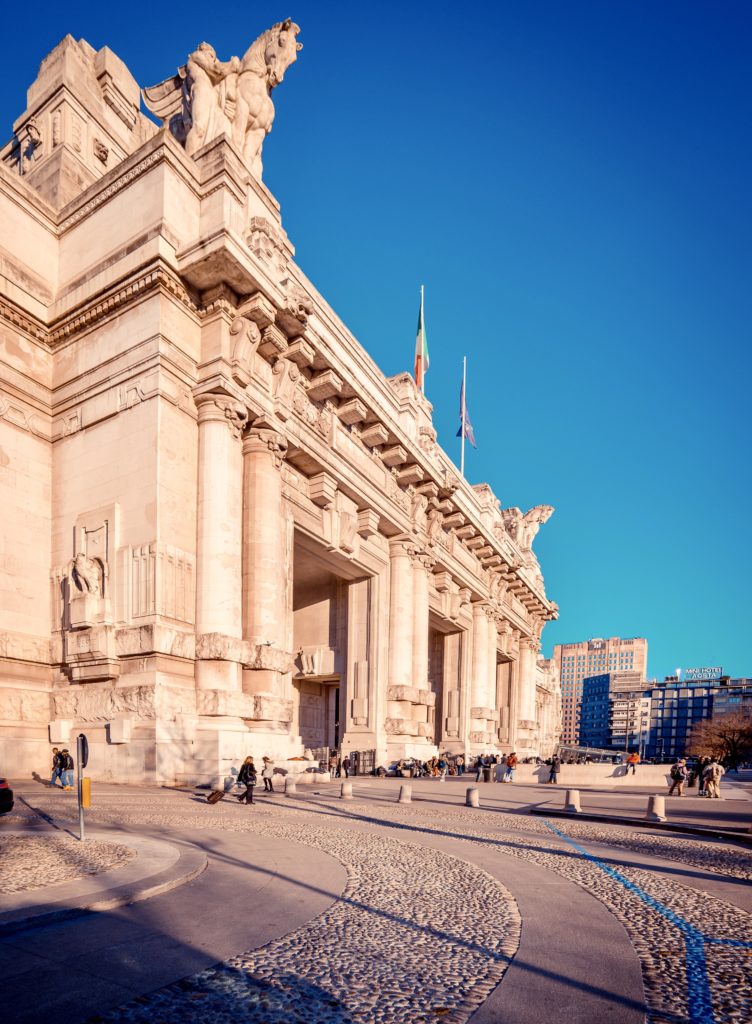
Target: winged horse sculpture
x,y
209,97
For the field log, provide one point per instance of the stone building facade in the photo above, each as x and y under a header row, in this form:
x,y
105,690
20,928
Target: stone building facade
x,y
224,529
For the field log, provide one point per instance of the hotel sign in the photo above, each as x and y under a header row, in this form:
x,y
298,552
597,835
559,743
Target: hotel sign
x,y
695,675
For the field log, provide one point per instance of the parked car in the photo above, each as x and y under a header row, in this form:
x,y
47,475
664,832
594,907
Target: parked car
x,y
6,797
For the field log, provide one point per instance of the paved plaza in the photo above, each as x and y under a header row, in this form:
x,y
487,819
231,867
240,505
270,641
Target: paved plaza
x,y
317,909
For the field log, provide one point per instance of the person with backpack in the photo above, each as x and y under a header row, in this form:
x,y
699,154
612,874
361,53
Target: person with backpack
x,y
57,770
712,775
554,769
678,775
66,769
247,776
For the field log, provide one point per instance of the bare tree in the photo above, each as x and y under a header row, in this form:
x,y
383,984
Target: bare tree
x,y
726,737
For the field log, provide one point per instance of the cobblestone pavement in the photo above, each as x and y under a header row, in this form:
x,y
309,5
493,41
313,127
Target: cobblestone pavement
x,y
35,861
402,943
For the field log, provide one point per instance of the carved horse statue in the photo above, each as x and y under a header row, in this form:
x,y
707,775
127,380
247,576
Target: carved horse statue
x,y
262,68
208,97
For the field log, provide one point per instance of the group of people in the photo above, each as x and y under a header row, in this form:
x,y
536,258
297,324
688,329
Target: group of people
x,y
500,767
339,767
434,768
707,771
62,768
247,776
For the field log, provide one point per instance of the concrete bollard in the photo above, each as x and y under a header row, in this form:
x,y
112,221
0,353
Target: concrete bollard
x,y
572,803
656,808
345,792
406,795
291,786
471,798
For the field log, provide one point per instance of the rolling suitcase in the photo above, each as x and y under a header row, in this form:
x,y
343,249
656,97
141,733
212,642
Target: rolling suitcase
x,y
215,796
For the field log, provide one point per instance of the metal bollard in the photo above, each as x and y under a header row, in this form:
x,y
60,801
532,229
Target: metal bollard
x,y
572,803
406,795
345,792
471,798
291,786
656,808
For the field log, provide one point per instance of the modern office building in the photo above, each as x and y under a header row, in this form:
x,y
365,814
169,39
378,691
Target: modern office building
x,y
676,706
593,657
614,712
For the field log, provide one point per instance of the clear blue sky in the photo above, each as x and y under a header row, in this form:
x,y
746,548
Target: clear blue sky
x,y
571,181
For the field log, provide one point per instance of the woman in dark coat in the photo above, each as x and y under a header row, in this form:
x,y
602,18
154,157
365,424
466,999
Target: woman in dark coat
x,y
247,775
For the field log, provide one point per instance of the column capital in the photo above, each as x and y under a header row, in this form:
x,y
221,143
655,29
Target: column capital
x,y
218,408
262,441
531,643
402,547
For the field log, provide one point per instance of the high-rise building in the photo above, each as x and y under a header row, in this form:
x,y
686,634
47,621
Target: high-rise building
x,y
614,712
590,658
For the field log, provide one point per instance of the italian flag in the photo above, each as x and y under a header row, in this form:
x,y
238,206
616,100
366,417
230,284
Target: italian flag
x,y
421,349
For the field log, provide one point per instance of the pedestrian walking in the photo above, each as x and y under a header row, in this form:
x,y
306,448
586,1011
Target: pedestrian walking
x,y
267,774
713,774
247,776
702,765
442,766
57,771
554,769
512,761
632,761
678,774
459,763
66,769
480,763
346,766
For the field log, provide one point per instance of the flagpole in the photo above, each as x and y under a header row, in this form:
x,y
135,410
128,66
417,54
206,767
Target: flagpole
x,y
464,407
423,324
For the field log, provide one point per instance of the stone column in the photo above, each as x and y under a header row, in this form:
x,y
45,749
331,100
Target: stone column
x,y
491,684
480,656
218,544
421,566
526,725
265,563
401,614
481,711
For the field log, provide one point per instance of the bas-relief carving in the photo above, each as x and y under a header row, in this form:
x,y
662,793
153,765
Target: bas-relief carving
x,y
101,704
24,705
208,97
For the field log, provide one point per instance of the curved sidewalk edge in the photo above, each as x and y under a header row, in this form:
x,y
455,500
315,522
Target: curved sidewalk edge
x,y
158,867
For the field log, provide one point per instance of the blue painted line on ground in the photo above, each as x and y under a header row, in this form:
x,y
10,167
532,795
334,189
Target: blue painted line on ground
x,y
699,1001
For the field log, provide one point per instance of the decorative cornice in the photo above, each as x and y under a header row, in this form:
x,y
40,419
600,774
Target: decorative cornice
x,y
113,188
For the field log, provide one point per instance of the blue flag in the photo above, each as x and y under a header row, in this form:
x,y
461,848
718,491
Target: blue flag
x,y
466,426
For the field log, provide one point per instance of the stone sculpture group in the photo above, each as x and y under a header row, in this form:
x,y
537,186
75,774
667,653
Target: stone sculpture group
x,y
209,97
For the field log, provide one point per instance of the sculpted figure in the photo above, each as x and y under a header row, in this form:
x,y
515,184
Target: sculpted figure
x,y
262,69
205,74
208,97
87,573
